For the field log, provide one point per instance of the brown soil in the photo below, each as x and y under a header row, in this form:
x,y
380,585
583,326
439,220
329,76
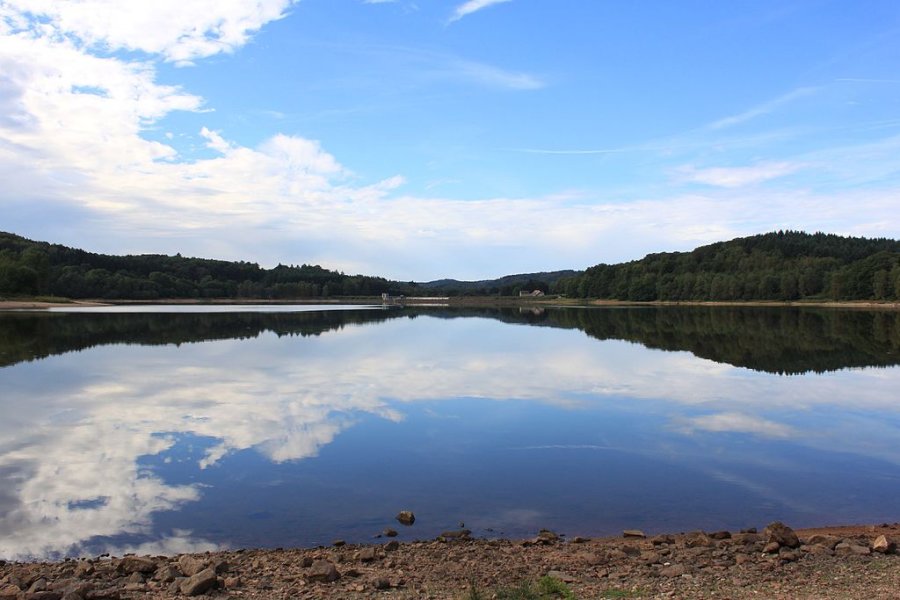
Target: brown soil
x,y
827,563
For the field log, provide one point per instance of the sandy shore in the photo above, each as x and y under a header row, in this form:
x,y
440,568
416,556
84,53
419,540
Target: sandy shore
x,y
824,563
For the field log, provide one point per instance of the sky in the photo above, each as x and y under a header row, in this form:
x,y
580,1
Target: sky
x,y
426,139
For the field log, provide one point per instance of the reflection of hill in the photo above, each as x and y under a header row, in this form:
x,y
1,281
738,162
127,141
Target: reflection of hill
x,y
29,336
775,340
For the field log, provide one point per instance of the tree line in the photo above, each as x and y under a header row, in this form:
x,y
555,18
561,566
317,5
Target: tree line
x,y
29,268
783,265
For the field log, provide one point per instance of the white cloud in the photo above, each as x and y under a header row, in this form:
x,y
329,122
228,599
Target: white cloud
x,y
472,6
176,30
731,177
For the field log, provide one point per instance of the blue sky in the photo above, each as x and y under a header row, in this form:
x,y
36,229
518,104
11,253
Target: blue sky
x,y
420,140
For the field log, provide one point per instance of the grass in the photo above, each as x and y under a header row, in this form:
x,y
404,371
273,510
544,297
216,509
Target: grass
x,y
546,588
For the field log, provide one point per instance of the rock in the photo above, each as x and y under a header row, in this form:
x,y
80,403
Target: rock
x,y
366,554
9,591
634,533
233,582
720,535
84,569
781,533
306,562
323,571
199,583
406,517
166,574
39,585
659,540
749,530
137,564
381,584
675,570
338,543
462,534
697,539
746,538
828,541
388,532
849,548
580,540
771,547
392,545
190,565
545,536
883,545
44,595
135,577
741,558
651,558
220,566
110,593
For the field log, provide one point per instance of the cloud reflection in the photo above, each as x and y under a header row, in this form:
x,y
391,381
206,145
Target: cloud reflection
x,y
70,452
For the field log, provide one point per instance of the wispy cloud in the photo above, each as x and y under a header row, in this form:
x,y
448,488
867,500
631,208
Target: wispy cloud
x,y
467,8
570,151
764,108
731,177
492,76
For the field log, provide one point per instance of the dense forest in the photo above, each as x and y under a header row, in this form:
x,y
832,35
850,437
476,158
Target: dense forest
x,y
30,268
784,265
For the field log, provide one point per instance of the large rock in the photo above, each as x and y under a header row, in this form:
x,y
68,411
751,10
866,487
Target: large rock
x,y
190,565
199,583
828,541
324,571
406,517
137,564
9,591
883,545
851,548
781,533
634,533
697,539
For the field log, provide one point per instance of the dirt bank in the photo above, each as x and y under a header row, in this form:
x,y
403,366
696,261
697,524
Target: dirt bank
x,y
824,563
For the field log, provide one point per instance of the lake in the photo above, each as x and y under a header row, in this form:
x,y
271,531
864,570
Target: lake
x,y
164,430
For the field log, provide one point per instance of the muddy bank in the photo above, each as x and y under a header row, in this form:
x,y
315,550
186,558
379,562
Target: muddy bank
x,y
776,562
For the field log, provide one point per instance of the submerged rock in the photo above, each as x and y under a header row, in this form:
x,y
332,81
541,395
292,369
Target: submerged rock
x,y
406,517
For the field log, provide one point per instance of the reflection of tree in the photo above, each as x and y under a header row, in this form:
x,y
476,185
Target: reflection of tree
x,y
776,340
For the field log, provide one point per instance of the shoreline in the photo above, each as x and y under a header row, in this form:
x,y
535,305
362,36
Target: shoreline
x,y
855,561
466,301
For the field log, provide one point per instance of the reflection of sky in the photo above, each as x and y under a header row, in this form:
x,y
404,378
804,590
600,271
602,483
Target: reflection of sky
x,y
512,428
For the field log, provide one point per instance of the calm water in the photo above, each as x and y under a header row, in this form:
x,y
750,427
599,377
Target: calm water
x,y
161,433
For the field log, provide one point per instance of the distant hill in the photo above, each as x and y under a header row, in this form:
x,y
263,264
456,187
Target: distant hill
x,y
509,285
783,265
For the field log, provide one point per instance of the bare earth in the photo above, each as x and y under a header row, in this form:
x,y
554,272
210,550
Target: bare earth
x,y
826,563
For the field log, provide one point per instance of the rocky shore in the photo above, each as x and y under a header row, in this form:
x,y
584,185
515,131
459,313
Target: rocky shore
x,y
776,562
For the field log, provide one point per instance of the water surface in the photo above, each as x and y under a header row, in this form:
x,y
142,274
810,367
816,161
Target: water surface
x,y
169,432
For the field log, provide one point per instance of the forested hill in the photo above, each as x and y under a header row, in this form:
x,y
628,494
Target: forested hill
x,y
39,268
784,265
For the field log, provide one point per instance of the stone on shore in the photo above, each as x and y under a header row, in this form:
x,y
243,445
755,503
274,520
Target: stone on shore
x,y
199,583
137,564
883,545
781,533
323,571
634,533
190,565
